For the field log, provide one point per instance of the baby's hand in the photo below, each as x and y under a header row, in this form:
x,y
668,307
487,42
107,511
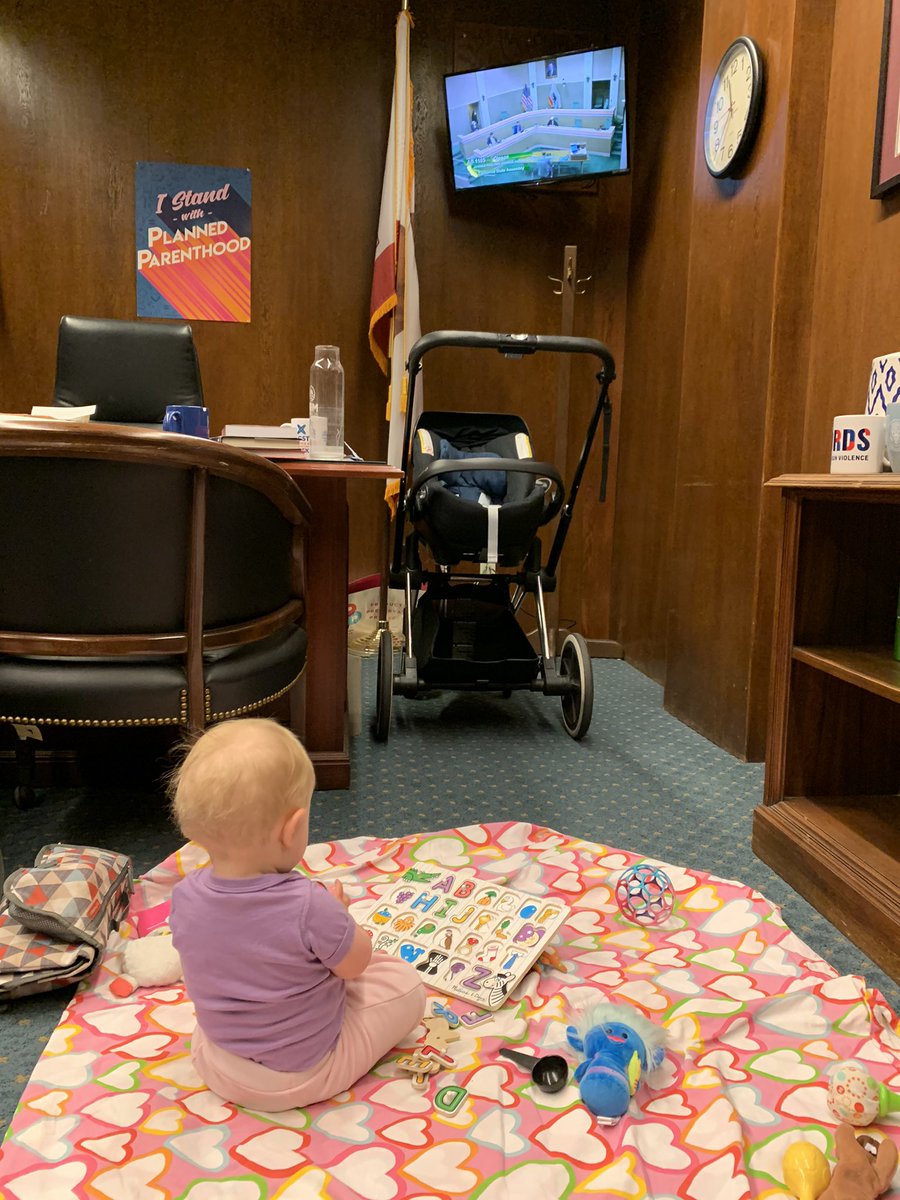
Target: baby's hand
x,y
337,890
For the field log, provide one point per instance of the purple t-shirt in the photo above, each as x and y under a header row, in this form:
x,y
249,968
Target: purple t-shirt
x,y
256,955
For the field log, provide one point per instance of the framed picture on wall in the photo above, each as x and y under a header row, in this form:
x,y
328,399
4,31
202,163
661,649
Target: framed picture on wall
x,y
886,162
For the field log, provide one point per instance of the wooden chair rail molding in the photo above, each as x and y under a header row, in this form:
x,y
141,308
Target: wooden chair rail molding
x,y
77,645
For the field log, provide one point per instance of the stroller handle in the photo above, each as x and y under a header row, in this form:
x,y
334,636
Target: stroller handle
x,y
514,345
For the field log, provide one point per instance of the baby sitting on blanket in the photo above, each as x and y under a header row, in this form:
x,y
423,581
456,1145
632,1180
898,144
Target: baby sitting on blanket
x,y
292,1004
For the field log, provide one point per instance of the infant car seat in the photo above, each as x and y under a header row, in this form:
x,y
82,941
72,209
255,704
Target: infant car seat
x,y
479,513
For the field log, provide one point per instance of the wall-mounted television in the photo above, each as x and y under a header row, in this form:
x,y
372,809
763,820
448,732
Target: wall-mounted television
x,y
540,121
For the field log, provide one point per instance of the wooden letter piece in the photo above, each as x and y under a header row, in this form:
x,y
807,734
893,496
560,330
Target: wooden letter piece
x,y
419,1068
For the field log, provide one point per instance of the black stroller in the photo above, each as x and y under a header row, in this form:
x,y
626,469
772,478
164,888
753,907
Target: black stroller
x,y
472,492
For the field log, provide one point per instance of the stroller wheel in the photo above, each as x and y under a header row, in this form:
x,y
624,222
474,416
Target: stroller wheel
x,y
24,798
577,704
384,687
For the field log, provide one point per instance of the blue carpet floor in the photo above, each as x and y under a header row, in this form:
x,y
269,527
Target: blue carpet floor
x,y
639,781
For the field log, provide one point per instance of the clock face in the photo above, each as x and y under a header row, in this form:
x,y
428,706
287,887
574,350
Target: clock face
x,y
733,108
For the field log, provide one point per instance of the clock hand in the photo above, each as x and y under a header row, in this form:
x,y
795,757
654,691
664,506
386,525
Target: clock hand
x,y
725,121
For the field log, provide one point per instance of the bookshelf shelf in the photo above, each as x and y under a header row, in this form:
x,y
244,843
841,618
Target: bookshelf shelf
x,y
830,818
873,668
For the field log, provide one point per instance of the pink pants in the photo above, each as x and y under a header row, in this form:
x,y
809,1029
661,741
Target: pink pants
x,y
381,1008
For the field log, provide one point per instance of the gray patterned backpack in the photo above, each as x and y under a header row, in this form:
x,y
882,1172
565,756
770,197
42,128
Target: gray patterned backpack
x,y
56,917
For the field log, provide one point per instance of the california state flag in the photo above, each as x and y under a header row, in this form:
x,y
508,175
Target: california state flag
x,y
394,310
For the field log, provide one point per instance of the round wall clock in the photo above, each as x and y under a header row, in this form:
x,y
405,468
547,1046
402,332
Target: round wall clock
x,y
734,108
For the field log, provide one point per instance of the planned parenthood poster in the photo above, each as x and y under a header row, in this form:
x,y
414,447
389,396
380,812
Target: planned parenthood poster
x,y
193,242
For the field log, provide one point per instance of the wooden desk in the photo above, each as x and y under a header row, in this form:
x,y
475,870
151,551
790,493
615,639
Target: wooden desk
x,y
324,723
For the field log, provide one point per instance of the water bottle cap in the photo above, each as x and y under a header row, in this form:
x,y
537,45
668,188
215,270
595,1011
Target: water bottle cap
x,y
328,352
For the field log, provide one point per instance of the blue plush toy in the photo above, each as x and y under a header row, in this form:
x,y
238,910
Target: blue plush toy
x,y
618,1045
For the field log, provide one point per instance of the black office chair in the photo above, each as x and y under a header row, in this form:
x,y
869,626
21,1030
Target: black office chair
x,y
148,579
129,369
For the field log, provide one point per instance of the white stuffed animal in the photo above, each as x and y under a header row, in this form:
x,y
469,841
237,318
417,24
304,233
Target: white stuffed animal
x,y
153,960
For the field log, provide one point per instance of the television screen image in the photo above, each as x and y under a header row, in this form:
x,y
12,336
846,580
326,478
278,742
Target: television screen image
x,y
539,121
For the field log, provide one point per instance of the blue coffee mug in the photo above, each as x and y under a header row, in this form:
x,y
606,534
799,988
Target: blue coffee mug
x,y
186,418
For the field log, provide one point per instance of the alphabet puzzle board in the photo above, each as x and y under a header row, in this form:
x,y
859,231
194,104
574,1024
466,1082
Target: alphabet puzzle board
x,y
470,938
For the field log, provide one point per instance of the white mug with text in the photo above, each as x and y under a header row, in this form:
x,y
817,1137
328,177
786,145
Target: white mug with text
x,y
301,425
857,444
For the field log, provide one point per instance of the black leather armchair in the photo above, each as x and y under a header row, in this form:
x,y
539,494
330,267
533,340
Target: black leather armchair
x,y
130,369
147,579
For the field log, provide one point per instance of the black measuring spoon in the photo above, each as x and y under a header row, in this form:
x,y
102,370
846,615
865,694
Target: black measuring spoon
x,y
550,1073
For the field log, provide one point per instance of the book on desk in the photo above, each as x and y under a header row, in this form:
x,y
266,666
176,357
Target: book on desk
x,y
281,441
261,437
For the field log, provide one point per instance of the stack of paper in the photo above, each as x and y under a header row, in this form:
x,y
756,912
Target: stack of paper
x,y
78,412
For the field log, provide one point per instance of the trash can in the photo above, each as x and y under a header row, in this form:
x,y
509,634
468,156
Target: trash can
x,y
363,596
362,615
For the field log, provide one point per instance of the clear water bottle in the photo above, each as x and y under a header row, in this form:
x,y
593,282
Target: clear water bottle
x,y
326,404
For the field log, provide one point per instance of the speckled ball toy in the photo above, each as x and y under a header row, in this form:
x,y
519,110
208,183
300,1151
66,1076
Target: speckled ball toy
x,y
856,1098
645,894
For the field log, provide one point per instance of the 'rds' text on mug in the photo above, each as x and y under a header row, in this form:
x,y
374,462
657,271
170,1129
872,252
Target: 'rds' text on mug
x,y
857,444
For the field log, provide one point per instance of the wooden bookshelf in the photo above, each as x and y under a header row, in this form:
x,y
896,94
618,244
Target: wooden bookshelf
x,y
830,818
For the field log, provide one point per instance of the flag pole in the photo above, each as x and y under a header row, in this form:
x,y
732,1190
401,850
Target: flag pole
x,y
395,289
383,628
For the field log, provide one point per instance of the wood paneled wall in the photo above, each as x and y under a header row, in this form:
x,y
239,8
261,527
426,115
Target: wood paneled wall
x,y
793,338
650,408
742,314
303,101
855,301
738,298
89,89
730,302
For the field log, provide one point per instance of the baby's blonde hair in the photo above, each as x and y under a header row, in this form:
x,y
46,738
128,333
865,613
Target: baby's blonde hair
x,y
238,779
